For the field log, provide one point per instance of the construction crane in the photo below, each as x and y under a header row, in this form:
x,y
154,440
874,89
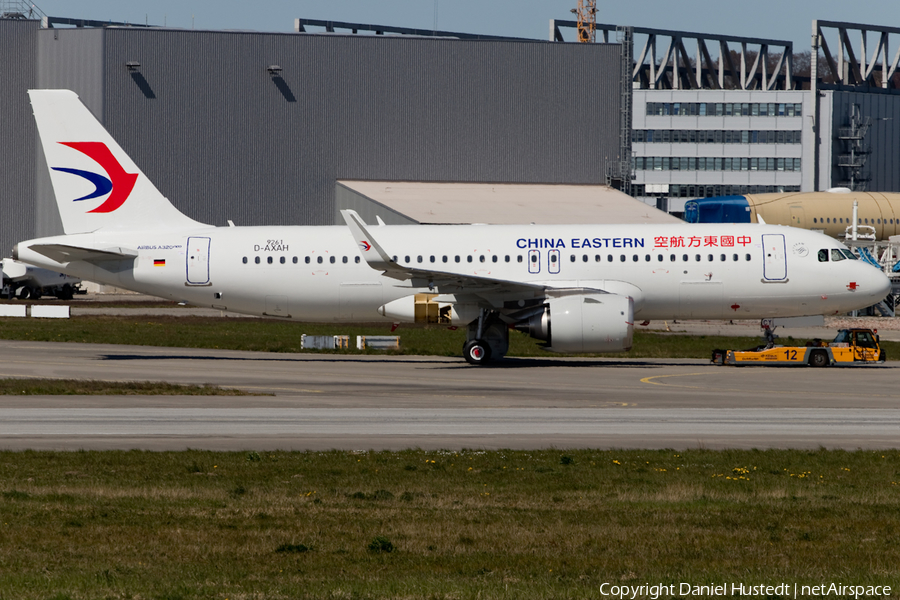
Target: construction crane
x,y
587,20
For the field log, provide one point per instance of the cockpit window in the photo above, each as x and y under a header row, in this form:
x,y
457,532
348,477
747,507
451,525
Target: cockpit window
x,y
849,254
843,337
837,255
823,255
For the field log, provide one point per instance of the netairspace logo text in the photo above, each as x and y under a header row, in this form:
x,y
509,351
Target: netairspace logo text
x,y
785,590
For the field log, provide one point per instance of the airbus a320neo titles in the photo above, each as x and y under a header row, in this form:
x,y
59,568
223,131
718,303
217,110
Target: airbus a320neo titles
x,y
577,287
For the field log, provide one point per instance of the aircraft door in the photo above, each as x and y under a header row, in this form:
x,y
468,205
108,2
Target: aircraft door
x,y
774,258
197,260
534,261
797,216
553,261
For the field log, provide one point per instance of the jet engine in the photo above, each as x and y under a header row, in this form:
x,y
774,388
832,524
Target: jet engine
x,y
584,323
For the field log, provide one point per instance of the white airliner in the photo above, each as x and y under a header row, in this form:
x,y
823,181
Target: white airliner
x,y
577,287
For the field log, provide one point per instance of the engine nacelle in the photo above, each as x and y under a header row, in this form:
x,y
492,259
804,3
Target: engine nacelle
x,y
586,323
423,308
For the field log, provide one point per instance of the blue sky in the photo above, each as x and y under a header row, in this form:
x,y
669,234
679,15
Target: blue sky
x,y
775,19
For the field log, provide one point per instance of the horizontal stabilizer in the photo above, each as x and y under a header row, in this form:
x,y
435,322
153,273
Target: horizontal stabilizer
x,y
63,253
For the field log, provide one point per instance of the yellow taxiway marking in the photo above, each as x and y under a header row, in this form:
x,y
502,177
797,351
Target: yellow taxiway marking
x,y
693,387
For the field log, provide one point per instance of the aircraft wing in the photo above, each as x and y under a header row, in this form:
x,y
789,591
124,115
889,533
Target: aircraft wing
x,y
456,287
63,253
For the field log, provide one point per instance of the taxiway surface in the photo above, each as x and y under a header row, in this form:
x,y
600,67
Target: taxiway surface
x,y
361,402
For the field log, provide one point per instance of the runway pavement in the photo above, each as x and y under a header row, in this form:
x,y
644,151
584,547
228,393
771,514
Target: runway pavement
x,y
362,402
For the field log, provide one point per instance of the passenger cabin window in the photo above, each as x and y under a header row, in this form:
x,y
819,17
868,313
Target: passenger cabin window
x,y
356,260
282,260
319,260
269,260
344,260
245,260
296,260
256,260
469,258
306,260
332,259
519,258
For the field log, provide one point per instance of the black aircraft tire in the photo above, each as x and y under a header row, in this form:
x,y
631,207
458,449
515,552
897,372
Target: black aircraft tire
x,y
476,352
818,359
24,293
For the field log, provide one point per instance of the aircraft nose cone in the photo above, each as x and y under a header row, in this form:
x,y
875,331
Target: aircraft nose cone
x,y
881,285
872,282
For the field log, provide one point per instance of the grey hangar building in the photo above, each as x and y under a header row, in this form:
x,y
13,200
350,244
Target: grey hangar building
x,y
424,126
274,128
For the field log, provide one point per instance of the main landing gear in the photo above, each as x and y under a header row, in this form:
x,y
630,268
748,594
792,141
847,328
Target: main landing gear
x,y
477,352
487,338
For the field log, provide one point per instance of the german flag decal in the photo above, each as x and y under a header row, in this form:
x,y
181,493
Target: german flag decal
x,y
159,262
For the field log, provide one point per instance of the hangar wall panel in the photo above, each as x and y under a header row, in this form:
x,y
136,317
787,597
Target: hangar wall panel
x,y
67,59
882,140
17,131
225,140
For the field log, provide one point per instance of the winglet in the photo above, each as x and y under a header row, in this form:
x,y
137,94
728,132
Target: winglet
x,y
379,259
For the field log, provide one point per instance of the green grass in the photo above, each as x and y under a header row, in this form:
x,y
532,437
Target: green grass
x,y
278,336
55,387
415,524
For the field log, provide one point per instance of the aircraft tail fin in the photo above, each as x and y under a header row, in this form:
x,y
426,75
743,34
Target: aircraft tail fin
x,y
97,185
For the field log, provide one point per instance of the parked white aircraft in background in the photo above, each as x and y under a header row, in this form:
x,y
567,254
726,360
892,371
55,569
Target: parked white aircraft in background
x,y
578,287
